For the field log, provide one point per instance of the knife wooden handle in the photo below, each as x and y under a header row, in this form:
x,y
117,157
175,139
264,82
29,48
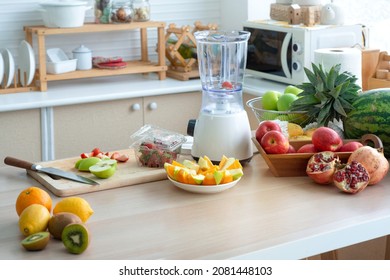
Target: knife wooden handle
x,y
19,163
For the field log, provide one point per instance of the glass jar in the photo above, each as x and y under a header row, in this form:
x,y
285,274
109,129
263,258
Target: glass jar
x,y
102,11
121,11
141,10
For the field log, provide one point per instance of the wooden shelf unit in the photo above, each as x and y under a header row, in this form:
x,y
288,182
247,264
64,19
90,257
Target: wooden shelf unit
x,y
139,66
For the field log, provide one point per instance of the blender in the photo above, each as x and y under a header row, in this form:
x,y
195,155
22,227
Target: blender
x,y
222,127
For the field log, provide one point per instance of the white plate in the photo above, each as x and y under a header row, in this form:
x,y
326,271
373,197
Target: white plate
x,y
26,63
204,189
1,68
9,67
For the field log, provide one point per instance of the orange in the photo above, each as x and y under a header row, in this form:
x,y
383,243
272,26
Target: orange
x,y
235,165
175,163
209,179
182,176
227,178
32,195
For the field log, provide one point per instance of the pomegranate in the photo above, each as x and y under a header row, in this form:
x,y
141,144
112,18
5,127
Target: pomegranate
x,y
351,177
373,160
321,167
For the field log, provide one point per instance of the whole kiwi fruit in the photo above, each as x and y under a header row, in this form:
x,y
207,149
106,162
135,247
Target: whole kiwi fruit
x,y
36,241
59,221
75,238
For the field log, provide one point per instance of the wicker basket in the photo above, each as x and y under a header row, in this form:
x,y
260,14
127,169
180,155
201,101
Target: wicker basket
x,y
261,114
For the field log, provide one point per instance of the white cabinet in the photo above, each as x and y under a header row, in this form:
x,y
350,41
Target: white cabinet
x,y
108,125
20,135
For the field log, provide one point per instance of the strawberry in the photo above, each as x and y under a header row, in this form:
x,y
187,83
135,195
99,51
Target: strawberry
x,y
95,152
115,155
84,155
122,158
227,85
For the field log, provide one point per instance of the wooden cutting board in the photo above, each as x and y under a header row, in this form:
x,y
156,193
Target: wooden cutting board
x,y
128,173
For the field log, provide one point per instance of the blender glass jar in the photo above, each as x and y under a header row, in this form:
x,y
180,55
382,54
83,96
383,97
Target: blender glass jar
x,y
222,60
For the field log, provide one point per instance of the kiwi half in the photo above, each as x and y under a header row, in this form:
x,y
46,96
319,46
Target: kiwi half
x,y
59,221
36,241
75,238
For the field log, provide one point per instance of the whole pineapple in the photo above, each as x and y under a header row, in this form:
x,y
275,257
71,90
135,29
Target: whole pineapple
x,y
328,96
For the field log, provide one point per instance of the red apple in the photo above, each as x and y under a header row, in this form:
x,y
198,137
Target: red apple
x,y
326,139
350,146
307,148
274,142
264,127
291,150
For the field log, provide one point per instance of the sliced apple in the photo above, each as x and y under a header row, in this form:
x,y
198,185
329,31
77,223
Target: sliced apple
x,y
198,178
104,168
236,173
85,163
191,165
228,162
218,176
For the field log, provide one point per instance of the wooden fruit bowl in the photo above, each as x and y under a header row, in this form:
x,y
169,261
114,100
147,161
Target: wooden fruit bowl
x,y
294,164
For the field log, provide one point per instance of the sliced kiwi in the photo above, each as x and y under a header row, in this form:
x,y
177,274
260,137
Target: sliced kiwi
x,y
75,238
59,221
36,241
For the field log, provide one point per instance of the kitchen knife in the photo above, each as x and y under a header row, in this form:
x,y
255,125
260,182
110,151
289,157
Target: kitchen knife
x,y
48,170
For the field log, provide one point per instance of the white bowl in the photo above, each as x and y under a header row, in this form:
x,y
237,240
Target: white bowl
x,y
205,189
61,66
63,14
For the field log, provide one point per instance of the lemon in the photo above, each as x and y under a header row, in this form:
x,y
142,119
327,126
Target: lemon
x,y
75,205
294,130
33,219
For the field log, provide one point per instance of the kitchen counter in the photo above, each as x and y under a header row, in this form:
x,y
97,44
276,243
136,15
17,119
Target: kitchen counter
x,y
262,217
113,88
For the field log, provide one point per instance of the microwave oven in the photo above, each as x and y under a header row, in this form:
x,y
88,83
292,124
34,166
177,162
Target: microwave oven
x,y
278,51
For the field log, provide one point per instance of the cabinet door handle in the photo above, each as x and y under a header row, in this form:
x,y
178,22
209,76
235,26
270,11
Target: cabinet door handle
x,y
153,106
136,107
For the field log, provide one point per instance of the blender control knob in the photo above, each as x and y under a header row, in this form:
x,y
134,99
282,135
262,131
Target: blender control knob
x,y
191,127
153,106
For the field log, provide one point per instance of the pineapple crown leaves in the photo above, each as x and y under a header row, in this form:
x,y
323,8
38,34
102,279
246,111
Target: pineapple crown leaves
x,y
328,95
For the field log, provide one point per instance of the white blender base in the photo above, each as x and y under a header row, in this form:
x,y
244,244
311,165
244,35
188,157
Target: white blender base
x,y
225,134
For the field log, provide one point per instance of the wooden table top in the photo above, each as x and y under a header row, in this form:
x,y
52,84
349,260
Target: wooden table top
x,y
262,217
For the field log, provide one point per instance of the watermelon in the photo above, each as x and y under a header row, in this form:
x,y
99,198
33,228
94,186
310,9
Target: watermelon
x,y
371,114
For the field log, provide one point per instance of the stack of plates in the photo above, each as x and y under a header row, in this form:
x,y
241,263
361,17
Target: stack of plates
x,y
26,65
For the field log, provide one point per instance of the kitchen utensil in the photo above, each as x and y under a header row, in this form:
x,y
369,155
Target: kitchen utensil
x,y
48,170
26,63
84,58
64,14
203,188
222,127
9,67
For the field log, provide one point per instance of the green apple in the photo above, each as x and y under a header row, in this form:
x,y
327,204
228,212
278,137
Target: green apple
x,y
198,178
191,165
104,168
236,173
85,163
284,102
269,99
292,89
218,176
228,163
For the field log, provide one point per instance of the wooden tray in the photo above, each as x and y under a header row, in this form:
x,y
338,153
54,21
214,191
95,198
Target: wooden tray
x,y
294,164
128,173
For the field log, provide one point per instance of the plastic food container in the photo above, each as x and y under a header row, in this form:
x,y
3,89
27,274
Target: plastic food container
x,y
61,67
63,14
154,146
